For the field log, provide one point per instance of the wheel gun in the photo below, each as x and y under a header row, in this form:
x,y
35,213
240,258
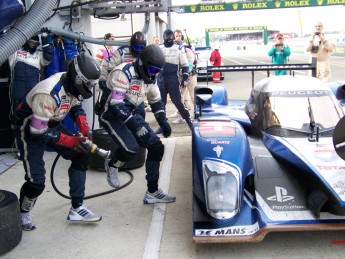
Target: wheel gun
x,y
94,149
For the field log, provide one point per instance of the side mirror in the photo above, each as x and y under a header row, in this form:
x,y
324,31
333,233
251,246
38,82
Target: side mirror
x,y
203,96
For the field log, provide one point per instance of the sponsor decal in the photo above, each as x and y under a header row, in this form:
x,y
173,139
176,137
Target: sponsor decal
x,y
64,106
19,52
338,242
218,149
257,5
330,167
121,82
213,129
229,231
215,142
325,155
281,195
47,108
129,60
300,93
135,85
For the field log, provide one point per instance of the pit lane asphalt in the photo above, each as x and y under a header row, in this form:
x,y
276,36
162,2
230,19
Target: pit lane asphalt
x,y
130,229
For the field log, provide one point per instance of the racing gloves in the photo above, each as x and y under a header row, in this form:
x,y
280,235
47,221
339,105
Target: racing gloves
x,y
163,123
185,77
138,129
72,142
84,126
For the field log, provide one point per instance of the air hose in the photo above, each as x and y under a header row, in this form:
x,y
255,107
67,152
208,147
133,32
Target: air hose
x,y
90,196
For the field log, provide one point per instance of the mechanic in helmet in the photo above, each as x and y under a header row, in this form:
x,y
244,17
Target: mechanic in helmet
x,y
40,127
168,80
124,54
127,86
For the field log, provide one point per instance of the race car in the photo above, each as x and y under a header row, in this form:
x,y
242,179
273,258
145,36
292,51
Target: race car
x,y
267,164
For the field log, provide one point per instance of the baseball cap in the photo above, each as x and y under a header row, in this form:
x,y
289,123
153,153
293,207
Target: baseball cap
x,y
280,36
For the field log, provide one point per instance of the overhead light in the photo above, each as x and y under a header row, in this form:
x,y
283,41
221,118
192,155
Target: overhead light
x,y
123,18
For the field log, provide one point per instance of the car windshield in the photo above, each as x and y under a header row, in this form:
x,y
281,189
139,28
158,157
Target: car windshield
x,y
297,113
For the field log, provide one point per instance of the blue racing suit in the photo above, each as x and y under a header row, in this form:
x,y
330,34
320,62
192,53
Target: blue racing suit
x,y
120,117
168,79
25,70
39,127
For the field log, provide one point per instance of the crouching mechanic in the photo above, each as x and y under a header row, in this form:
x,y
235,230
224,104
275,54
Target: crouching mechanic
x,y
127,86
39,127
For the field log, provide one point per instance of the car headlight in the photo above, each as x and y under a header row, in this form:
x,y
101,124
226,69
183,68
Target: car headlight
x,y
221,183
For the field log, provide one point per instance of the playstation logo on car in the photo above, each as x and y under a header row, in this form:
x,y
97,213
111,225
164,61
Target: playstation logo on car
x,y
281,195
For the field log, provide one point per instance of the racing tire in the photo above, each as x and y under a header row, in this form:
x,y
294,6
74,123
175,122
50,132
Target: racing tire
x,y
10,223
103,140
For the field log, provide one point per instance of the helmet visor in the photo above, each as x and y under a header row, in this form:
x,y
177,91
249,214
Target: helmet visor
x,y
138,47
153,70
88,82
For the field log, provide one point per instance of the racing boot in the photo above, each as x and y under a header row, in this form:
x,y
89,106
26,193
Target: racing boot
x,y
26,205
27,221
83,214
113,177
158,197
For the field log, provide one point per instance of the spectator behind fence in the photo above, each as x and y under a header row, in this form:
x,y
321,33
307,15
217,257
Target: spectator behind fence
x,y
279,53
321,49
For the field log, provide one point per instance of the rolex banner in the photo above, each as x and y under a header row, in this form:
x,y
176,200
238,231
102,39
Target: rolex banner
x,y
254,5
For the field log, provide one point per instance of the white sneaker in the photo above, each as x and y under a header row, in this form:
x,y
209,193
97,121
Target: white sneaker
x,y
175,114
113,177
148,109
179,120
27,222
158,197
83,214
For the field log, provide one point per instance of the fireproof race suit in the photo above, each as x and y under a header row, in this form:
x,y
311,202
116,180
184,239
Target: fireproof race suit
x,y
121,55
168,79
40,127
119,116
25,71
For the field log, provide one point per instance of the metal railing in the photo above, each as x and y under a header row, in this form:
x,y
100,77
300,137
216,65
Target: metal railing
x,y
268,68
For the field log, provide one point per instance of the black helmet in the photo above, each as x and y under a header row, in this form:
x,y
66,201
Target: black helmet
x,y
31,44
85,73
168,37
151,60
137,43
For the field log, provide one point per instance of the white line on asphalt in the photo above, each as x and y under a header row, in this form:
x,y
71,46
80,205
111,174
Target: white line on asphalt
x,y
154,237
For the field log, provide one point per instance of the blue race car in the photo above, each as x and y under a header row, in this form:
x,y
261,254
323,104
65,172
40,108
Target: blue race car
x,y
267,164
